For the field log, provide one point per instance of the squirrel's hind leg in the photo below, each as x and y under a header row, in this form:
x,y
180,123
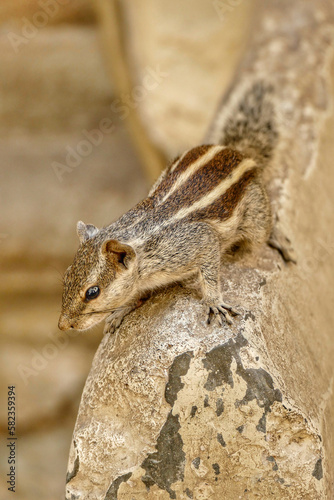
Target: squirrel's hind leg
x,y
282,244
257,226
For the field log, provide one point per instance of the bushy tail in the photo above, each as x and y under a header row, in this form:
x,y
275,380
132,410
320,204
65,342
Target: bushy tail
x,y
246,121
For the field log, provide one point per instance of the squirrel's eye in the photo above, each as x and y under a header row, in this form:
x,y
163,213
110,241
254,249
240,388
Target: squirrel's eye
x,y
92,292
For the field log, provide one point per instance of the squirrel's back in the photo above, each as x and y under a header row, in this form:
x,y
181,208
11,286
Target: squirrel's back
x,y
205,183
202,180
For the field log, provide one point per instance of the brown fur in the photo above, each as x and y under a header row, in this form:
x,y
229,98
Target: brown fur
x,y
224,206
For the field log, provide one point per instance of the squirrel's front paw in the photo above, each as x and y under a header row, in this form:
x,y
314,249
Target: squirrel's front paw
x,y
220,310
113,322
115,319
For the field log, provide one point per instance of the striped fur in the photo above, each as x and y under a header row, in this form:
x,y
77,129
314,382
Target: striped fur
x,y
197,183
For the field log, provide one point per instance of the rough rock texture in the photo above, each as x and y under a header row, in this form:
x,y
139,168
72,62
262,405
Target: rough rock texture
x,y
174,408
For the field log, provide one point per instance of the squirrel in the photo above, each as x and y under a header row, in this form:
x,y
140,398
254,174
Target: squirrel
x,y
208,201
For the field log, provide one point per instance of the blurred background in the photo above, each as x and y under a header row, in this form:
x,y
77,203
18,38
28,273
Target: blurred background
x,y
82,86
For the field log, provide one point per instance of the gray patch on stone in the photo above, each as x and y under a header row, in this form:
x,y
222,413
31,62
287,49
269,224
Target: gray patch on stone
x,y
113,489
272,459
189,493
263,282
240,428
318,472
250,315
260,387
178,369
217,362
216,468
219,407
76,465
206,401
261,426
166,466
193,411
220,439
196,462
259,382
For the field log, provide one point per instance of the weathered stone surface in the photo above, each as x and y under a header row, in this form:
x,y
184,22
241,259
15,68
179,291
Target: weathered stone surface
x,y
174,408
132,422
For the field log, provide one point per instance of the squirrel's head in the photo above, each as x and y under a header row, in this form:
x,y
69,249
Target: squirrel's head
x,y
99,280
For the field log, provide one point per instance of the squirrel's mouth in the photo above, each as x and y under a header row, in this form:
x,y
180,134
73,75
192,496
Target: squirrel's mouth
x,y
83,322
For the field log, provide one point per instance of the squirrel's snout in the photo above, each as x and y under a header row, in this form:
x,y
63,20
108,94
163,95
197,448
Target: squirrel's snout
x,y
64,323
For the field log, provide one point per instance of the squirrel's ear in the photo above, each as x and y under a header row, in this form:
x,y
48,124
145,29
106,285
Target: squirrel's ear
x,y
121,252
86,231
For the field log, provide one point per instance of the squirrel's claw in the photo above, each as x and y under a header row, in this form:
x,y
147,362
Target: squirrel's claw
x,y
222,309
114,321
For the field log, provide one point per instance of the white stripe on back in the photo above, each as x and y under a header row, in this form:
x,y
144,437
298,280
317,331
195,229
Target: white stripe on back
x,y
191,169
218,191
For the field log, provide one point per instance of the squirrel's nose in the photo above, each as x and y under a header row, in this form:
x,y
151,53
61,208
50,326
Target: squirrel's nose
x,y
64,323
